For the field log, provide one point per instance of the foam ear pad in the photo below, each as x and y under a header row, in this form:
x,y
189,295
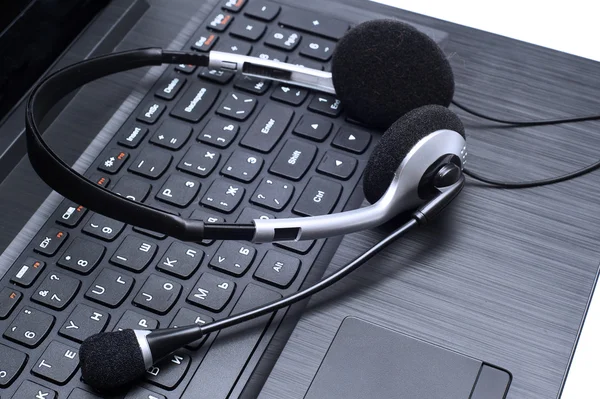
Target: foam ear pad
x,y
382,69
398,140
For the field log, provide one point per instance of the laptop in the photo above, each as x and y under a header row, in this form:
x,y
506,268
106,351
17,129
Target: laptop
x,y
68,273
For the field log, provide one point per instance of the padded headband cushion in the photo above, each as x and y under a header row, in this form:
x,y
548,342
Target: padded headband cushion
x,y
397,142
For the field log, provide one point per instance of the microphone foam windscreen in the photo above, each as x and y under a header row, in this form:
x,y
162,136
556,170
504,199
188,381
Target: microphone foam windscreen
x,y
382,69
397,142
110,360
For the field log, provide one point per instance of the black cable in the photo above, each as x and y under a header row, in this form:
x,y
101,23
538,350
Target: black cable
x,y
298,296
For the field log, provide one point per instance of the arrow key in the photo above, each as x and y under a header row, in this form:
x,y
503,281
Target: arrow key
x,y
352,140
337,165
313,127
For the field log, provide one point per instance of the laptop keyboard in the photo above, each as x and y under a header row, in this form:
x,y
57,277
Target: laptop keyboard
x,y
208,145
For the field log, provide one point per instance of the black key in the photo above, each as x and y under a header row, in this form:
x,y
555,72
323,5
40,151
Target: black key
x,y
25,274
234,47
242,166
199,160
294,159
237,106
79,393
219,132
172,134
150,233
9,298
185,68
151,163
233,258
58,363
215,75
83,322
135,321
205,42
220,21
70,214
325,104
229,353
300,247
313,127
99,179
158,294
56,291
252,84
262,10
268,127
307,21
337,165
207,218
151,112
30,327
134,253
132,188
352,140
212,292
113,161
248,29
104,228
169,372
181,260
195,102
289,94
306,63
283,39
249,214
233,5
110,288
317,49
12,362
267,53
223,196
29,389
273,194
170,87
318,198
50,243
277,269
178,190
82,256
187,317
143,393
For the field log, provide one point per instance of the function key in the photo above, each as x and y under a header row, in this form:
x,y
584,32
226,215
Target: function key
x,y
172,134
187,317
151,163
337,165
151,112
57,364
325,104
181,260
170,87
352,140
262,10
294,159
223,196
318,49
248,29
158,294
104,228
272,194
233,258
134,321
178,190
30,327
277,269
212,292
9,298
132,188
242,166
307,21
235,47
99,179
82,256
199,160
113,161
205,42
318,198
110,288
313,127
27,272
132,137
233,5
284,39
215,75
169,372
56,291
51,242
83,322
237,106
268,127
219,132
220,21
29,389
134,253
185,68
289,94
195,103
12,362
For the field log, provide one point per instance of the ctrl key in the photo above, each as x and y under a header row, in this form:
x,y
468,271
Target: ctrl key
x,y
11,364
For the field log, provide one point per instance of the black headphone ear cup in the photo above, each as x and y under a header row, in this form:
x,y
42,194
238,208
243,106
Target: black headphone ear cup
x,y
397,142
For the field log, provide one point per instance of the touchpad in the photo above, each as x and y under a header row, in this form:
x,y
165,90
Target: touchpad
x,y
368,361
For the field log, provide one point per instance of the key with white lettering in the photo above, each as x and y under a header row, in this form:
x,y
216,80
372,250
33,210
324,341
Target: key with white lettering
x,y
178,190
49,243
170,371
9,299
181,260
199,160
11,364
158,294
25,274
268,127
237,106
56,291
70,214
102,227
172,134
187,317
133,136
273,194
277,269
58,363
83,322
136,321
233,258
195,102
170,87
219,132
113,161
199,214
205,42
134,253
142,393
151,163
212,292
110,288
150,112
29,389
294,159
223,196
82,256
30,327
219,21
318,198
242,166
132,188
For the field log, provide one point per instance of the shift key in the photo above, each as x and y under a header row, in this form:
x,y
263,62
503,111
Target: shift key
x,y
268,127
227,357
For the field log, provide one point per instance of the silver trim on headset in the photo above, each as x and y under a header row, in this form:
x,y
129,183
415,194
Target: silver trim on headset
x,y
272,70
140,335
402,195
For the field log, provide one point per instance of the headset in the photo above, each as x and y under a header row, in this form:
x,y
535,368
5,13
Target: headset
x,y
417,166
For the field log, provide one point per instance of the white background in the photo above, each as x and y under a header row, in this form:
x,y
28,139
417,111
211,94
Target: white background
x,y
570,26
